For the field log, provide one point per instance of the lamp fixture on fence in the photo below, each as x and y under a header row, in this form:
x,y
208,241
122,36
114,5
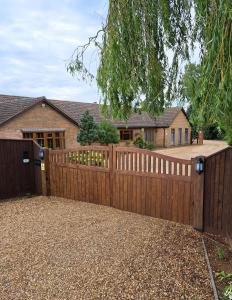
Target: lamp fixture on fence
x,y
41,154
199,165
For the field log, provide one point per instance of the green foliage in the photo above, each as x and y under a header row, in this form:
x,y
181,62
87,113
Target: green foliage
x,y
88,130
107,133
150,146
89,157
214,132
227,294
134,45
190,82
140,143
133,60
128,142
223,275
221,252
214,21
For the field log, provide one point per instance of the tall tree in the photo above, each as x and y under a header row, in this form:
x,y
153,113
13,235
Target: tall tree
x,y
136,71
88,129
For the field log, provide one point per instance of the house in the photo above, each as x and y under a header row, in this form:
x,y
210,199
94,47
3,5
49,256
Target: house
x,y
55,123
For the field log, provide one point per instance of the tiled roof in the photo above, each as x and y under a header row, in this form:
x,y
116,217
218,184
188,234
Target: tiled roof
x,y
11,106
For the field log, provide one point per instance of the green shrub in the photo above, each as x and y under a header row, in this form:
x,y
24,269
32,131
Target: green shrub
x,y
227,294
221,253
128,142
223,275
88,130
149,146
107,133
139,142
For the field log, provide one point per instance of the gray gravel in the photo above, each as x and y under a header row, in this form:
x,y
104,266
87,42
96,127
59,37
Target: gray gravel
x,y
54,248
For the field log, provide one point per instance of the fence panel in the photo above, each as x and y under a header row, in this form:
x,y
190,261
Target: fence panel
x,y
16,178
126,178
152,184
82,174
218,193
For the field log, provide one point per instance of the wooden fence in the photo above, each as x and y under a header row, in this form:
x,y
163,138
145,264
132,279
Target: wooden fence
x,y
16,177
126,178
218,193
130,179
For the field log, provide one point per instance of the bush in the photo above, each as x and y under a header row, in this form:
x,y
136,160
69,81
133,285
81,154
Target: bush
x,y
128,142
150,146
88,130
140,143
107,133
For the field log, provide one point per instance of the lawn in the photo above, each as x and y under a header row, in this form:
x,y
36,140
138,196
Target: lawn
x,y
54,248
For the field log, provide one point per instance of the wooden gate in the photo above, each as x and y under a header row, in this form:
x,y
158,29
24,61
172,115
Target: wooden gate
x,y
18,178
130,179
218,193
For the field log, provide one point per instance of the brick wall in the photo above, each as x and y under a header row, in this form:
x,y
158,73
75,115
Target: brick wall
x,y
179,122
159,137
40,117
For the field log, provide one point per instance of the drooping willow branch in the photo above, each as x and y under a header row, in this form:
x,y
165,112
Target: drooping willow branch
x,y
142,47
76,64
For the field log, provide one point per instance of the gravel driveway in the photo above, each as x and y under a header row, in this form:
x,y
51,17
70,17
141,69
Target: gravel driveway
x,y
187,152
54,248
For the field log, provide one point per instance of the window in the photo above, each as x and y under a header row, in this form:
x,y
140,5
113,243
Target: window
x,y
172,136
51,140
126,135
149,135
40,138
186,135
179,136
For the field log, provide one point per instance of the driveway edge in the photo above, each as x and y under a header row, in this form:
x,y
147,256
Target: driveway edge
x,y
210,272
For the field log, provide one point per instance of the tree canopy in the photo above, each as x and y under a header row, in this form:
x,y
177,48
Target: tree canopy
x,y
143,45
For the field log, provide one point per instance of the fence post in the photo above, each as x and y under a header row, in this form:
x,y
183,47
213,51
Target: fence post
x,y
198,192
45,173
112,161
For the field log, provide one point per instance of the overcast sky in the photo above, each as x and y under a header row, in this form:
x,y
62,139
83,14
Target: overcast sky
x,y
37,38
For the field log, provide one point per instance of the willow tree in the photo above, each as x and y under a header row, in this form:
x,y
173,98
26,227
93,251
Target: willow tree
x,y
142,47
214,28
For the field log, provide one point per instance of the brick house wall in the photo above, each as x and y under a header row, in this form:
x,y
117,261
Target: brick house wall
x,y
159,136
40,117
179,122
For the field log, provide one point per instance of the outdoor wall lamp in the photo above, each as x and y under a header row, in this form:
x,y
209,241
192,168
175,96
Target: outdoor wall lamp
x,y
41,154
26,159
199,165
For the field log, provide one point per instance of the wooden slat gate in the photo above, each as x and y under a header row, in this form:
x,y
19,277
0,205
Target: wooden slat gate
x,y
218,193
130,179
18,178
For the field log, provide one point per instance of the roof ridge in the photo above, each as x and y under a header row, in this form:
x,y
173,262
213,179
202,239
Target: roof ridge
x,y
73,110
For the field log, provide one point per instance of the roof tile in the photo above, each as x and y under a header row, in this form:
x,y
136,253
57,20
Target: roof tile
x,y
11,106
